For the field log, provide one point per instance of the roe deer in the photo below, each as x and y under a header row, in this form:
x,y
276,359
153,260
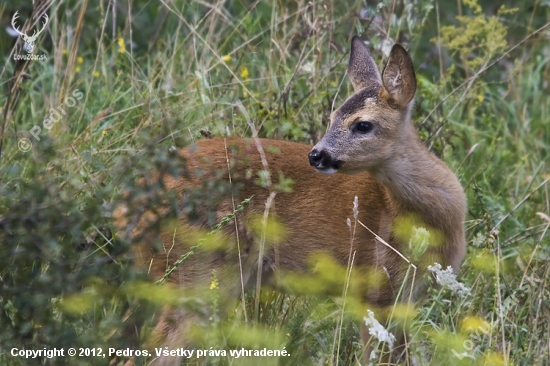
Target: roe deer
x,y
371,151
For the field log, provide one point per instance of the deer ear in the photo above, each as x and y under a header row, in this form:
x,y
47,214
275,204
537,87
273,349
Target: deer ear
x,y
398,77
362,69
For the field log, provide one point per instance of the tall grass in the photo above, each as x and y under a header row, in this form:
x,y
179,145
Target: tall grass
x,y
160,75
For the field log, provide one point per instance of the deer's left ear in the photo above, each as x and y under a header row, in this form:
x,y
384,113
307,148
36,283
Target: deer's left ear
x,y
398,77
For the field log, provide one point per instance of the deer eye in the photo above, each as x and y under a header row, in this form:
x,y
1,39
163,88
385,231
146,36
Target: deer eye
x,y
364,127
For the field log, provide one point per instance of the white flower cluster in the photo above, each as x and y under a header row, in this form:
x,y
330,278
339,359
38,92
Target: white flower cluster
x,y
378,331
447,279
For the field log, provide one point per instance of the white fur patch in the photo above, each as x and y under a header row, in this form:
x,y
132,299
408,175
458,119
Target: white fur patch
x,y
327,171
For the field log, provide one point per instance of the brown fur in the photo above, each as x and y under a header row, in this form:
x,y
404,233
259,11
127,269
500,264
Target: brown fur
x,y
391,172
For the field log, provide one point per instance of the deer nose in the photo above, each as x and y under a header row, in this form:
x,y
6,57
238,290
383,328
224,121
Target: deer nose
x,y
319,159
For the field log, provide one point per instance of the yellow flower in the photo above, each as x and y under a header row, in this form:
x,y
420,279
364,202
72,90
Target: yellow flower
x,y
121,46
104,133
77,69
226,58
79,59
244,72
64,51
480,98
471,324
214,285
96,74
495,359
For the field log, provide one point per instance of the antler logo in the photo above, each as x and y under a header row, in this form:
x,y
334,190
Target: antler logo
x,y
29,41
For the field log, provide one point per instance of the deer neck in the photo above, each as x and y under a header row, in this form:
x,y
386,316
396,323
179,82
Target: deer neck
x,y
419,183
424,192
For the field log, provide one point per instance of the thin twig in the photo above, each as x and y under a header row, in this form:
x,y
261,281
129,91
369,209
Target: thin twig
x,y
236,232
386,244
268,204
520,203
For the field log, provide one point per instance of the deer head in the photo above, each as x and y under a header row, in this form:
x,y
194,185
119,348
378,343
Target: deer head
x,y
29,40
373,124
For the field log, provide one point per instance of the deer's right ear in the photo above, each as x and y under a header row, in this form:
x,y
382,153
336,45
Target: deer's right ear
x,y
362,70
